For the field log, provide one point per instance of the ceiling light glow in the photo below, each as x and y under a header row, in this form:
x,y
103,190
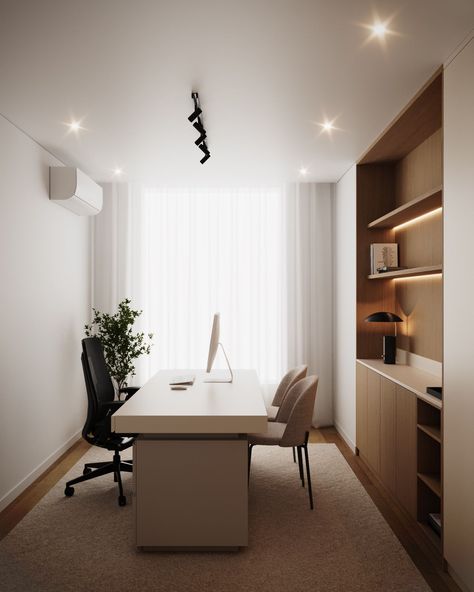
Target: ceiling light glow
x,y
303,171
75,126
379,30
118,171
327,126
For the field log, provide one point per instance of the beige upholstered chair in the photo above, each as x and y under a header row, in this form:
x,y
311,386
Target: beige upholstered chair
x,y
293,425
286,383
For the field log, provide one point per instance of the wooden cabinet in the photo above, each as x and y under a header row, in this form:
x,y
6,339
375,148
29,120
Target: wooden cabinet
x,y
406,449
361,410
388,438
388,444
373,420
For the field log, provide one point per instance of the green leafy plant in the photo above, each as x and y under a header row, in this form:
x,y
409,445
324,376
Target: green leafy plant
x,y
121,346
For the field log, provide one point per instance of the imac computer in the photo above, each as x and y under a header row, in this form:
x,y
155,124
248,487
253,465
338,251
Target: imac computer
x,y
213,347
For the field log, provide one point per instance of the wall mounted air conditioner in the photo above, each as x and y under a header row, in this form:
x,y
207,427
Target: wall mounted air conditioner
x,y
74,190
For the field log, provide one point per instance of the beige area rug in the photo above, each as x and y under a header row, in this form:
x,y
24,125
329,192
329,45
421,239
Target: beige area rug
x,y
85,543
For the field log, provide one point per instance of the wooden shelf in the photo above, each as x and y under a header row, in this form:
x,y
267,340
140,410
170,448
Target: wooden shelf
x,y
410,272
422,204
432,481
432,431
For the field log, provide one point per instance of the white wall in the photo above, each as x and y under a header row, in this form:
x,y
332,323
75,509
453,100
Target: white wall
x,y
459,316
345,306
44,255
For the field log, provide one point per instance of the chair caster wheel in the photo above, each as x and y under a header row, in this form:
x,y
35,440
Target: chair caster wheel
x,y
69,491
122,500
86,471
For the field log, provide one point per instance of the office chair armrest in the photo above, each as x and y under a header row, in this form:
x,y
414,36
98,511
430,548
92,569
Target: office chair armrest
x,y
129,391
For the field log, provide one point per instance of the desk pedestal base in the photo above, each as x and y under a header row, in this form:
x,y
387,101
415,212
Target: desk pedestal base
x,y
191,492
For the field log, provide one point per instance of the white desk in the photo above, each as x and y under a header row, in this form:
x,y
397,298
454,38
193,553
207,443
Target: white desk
x,y
190,460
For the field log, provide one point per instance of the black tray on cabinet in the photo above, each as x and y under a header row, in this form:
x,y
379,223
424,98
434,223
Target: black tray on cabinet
x,y
436,391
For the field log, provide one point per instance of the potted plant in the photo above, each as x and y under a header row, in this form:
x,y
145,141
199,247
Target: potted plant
x,y
121,346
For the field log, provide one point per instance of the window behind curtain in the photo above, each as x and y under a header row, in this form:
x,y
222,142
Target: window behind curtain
x,y
215,250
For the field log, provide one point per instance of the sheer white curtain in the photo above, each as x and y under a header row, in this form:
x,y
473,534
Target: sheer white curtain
x,y
183,254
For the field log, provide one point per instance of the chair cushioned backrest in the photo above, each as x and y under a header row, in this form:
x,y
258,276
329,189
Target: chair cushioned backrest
x,y
100,380
298,407
290,378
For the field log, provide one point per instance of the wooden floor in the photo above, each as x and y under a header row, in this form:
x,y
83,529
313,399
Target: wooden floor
x,y
423,554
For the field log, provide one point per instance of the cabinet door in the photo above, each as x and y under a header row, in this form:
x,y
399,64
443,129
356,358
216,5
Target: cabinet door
x,y
387,434
361,409
373,420
406,449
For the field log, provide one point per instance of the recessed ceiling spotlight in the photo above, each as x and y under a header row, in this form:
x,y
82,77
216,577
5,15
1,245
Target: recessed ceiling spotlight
x,y
75,126
303,171
379,30
118,171
327,126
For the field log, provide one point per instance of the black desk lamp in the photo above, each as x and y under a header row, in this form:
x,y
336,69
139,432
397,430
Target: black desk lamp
x,y
389,341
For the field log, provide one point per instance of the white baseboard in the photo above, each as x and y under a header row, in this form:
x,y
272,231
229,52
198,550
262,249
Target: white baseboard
x,y
35,473
345,437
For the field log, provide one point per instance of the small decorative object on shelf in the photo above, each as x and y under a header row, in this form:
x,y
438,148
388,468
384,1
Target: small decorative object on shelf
x,y
385,269
389,341
383,255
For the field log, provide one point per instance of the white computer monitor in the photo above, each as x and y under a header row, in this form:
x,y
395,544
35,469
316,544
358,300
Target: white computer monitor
x,y
214,342
213,347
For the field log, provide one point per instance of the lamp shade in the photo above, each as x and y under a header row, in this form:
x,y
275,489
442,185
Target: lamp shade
x,y
383,317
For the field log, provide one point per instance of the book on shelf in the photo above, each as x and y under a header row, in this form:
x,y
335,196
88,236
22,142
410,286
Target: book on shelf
x,y
383,256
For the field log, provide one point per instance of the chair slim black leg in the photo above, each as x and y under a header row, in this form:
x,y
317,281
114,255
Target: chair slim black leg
x,y
300,464
126,467
250,461
110,468
119,480
294,454
308,474
96,465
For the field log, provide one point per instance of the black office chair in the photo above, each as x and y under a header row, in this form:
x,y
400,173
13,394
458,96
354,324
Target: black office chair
x,y
101,405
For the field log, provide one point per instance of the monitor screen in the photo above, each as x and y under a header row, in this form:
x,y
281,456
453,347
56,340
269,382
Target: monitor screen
x,y
214,343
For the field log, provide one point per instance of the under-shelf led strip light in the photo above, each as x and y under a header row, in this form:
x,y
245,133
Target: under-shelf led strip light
x,y
196,115
418,219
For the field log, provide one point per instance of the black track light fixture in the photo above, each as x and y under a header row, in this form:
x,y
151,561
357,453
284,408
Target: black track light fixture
x,y
204,147
201,138
199,127
196,113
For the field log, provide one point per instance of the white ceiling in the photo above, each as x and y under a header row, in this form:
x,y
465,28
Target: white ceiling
x,y
266,71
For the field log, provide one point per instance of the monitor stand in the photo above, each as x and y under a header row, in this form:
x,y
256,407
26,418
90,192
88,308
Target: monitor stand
x,y
231,379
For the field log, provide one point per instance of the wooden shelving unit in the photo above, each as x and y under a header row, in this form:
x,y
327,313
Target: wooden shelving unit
x,y
432,481
399,179
433,432
429,465
423,204
410,272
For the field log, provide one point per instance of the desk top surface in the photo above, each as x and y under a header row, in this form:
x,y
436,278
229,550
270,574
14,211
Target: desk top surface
x,y
203,408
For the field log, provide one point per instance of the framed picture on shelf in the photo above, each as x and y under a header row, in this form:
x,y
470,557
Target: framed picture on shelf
x,y
383,256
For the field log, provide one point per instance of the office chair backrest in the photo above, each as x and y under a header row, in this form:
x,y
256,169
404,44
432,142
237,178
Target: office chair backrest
x,y
99,375
297,409
290,378
98,384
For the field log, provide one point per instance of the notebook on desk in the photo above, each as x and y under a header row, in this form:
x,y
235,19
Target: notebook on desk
x,y
182,379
